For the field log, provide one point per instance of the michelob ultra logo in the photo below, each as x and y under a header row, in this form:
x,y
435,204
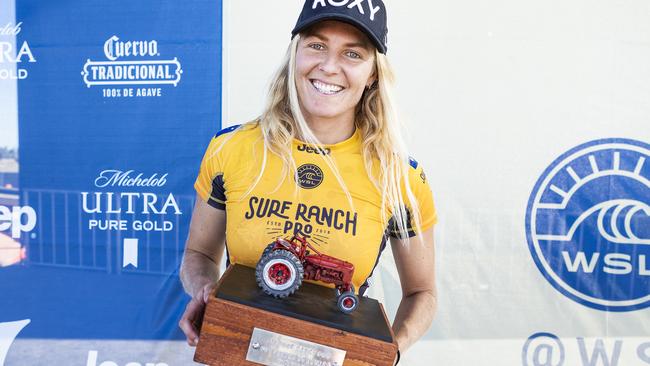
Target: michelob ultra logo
x,y
125,66
13,56
588,224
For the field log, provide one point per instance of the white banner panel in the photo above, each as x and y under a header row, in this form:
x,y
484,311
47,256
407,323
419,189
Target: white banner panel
x,y
510,105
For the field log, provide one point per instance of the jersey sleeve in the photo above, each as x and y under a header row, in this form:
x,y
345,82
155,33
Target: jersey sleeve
x,y
424,198
209,184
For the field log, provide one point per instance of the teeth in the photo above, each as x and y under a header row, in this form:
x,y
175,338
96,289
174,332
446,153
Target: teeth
x,y
326,88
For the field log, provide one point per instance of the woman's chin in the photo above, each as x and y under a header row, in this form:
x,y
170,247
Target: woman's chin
x,y
323,115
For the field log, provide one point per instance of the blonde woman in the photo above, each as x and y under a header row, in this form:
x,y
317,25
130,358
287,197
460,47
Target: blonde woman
x,y
325,160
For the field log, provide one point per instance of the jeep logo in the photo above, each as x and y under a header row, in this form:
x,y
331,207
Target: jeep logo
x,y
314,150
18,219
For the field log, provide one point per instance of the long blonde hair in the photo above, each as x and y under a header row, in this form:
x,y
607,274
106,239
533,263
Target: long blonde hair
x,y
383,148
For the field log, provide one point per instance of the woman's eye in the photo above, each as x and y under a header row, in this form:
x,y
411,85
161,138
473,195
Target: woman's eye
x,y
353,54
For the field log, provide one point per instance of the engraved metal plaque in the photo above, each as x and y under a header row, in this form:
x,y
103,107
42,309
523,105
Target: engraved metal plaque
x,y
273,349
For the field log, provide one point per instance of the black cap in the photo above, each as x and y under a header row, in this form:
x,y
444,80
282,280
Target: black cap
x,y
367,15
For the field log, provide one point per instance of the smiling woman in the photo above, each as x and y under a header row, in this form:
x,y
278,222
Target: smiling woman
x,y
325,160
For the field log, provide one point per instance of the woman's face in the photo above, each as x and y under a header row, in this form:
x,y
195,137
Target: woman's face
x,y
334,64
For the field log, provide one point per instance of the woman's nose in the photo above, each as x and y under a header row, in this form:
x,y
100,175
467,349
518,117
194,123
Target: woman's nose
x,y
329,64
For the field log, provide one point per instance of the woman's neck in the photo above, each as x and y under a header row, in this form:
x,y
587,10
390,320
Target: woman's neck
x,y
330,132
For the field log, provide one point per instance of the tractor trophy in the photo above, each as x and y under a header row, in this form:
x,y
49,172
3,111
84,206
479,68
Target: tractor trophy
x,y
243,325
285,263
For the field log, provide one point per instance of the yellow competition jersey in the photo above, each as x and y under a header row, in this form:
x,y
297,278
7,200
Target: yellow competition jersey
x,y
315,206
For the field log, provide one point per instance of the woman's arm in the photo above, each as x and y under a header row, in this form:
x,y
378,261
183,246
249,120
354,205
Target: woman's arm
x,y
415,262
200,268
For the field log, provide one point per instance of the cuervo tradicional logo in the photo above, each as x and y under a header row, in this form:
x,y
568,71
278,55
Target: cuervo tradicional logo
x,y
588,224
309,176
131,63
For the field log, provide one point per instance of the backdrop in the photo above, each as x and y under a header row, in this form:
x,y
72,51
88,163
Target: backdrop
x,y
109,108
530,118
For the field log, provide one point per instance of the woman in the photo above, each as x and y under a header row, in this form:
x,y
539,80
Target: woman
x,y
325,160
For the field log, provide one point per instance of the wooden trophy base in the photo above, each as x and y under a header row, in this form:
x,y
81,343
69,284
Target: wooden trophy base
x,y
239,316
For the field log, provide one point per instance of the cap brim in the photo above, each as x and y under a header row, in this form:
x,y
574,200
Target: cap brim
x,y
344,18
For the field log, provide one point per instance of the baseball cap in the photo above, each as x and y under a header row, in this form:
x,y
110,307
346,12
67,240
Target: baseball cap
x,y
367,15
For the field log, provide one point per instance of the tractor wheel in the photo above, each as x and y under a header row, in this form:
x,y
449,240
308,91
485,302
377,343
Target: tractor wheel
x,y
267,250
279,273
348,302
338,292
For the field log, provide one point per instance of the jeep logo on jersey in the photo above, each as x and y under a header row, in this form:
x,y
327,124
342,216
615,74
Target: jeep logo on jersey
x,y
309,176
314,150
588,224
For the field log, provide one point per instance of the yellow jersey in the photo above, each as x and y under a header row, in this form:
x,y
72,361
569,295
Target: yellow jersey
x,y
313,205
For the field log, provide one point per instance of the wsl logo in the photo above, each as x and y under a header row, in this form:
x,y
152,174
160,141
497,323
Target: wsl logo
x,y
131,63
309,176
588,224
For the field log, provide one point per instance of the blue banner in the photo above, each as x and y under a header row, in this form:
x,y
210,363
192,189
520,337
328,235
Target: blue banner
x,y
116,104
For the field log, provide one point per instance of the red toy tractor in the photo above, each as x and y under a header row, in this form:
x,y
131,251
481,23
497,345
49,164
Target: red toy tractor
x,y
285,263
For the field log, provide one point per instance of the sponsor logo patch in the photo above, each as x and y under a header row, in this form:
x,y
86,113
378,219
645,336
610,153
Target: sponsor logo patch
x,y
309,176
314,150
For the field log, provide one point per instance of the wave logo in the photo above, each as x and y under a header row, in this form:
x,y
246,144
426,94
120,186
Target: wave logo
x,y
309,176
588,224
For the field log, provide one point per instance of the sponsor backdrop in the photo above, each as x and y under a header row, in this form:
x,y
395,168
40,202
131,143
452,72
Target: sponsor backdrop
x,y
531,120
111,105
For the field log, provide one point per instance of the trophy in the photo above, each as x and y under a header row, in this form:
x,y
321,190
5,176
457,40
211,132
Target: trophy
x,y
258,316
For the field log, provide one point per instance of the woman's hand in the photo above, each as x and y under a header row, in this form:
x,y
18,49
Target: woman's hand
x,y
200,268
192,318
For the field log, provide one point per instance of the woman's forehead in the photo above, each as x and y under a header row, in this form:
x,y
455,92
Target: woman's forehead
x,y
334,29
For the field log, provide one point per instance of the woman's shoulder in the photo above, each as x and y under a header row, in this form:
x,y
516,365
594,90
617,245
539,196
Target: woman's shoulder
x,y
244,130
235,136
232,145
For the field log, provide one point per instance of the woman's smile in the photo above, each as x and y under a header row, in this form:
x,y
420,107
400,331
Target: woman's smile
x,y
326,88
334,64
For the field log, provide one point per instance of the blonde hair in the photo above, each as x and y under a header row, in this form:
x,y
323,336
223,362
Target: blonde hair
x,y
383,148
